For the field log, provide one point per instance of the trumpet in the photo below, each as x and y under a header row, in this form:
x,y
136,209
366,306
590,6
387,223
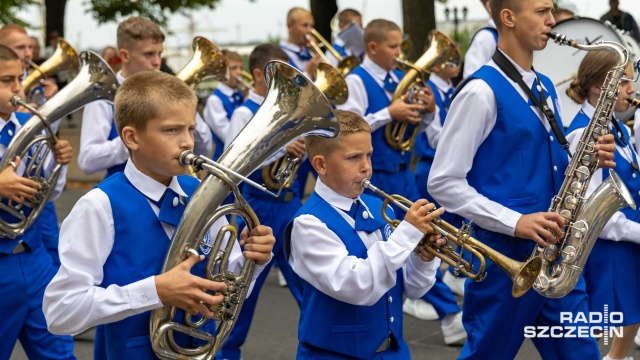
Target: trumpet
x,y
346,64
523,274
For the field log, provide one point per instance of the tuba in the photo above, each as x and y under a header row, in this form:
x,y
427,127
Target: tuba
x,y
65,57
562,264
207,61
293,107
523,275
440,51
95,81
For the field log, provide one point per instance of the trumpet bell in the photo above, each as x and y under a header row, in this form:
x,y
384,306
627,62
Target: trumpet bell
x,y
207,61
65,57
331,83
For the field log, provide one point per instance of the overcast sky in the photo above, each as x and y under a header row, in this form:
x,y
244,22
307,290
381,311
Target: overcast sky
x,y
241,20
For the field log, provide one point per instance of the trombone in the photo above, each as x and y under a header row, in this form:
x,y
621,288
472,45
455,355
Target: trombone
x,y
346,64
246,80
523,274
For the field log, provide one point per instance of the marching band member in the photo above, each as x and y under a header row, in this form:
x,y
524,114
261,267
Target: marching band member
x,y
354,270
483,45
500,165
272,211
114,241
299,25
26,266
371,87
346,17
221,104
609,281
140,46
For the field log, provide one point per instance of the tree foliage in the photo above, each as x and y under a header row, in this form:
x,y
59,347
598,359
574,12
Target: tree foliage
x,y
9,8
154,10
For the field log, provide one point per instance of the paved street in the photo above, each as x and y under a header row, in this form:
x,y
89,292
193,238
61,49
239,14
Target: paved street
x,y
273,334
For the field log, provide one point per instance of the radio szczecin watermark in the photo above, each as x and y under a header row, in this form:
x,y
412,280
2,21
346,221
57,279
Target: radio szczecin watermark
x,y
581,325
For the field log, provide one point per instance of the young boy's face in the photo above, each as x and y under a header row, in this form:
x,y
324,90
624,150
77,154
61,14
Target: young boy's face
x,y
301,27
21,44
348,164
156,150
143,55
385,52
235,71
10,85
532,23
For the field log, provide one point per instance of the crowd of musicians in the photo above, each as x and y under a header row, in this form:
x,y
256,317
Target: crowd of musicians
x,y
480,161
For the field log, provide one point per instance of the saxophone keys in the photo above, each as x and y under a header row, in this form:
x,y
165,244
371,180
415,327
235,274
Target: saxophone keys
x,y
582,172
570,202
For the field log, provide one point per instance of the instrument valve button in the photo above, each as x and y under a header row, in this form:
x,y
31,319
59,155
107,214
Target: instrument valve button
x,y
175,201
391,319
365,215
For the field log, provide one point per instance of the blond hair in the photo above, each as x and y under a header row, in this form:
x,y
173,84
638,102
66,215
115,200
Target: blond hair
x,y
7,54
136,29
291,14
498,5
350,123
378,29
592,71
143,96
11,28
231,55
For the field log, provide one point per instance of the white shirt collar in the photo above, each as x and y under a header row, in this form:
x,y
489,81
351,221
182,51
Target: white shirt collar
x,y
119,77
225,89
13,119
289,46
375,70
492,23
588,109
148,186
339,42
258,99
440,83
333,198
527,76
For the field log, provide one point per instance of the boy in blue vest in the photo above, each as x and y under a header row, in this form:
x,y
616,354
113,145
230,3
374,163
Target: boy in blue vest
x,y
354,270
482,46
299,25
223,101
345,18
274,212
500,165
371,88
26,266
101,149
114,241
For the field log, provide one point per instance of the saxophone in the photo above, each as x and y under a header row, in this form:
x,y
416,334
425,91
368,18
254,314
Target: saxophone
x,y
562,263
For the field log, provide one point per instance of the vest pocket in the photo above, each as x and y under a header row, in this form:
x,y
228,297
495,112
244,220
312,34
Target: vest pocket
x,y
349,329
529,200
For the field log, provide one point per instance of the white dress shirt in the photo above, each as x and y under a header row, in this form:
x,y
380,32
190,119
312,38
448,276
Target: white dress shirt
x,y
74,300
215,115
321,258
470,119
49,162
434,130
480,51
292,51
618,228
358,102
97,153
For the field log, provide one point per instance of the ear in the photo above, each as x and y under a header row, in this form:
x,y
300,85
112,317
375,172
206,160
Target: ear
x,y
130,138
258,75
124,55
507,17
595,90
319,163
372,47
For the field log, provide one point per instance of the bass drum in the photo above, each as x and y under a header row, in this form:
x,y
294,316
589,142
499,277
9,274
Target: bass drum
x,y
560,63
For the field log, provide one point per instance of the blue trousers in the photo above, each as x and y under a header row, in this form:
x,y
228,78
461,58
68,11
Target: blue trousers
x,y
495,321
50,232
24,279
276,215
399,351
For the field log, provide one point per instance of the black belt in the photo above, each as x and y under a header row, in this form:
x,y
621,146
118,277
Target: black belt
x,y
19,248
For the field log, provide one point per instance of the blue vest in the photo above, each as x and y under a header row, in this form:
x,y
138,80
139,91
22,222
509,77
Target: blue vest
x,y
129,338
114,135
422,147
520,164
250,191
333,325
623,166
229,108
33,236
340,50
384,157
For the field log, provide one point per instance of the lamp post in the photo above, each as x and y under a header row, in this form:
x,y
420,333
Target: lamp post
x,y
456,19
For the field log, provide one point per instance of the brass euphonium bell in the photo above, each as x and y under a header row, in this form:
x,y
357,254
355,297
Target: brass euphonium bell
x,y
64,58
440,51
207,61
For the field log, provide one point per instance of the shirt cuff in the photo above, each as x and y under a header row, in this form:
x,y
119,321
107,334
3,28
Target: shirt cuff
x,y
507,221
407,235
143,295
428,268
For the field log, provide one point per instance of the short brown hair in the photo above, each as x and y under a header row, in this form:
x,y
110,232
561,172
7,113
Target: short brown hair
x,y
378,29
11,28
350,123
346,16
7,54
592,71
136,29
264,53
292,13
231,55
498,5
142,96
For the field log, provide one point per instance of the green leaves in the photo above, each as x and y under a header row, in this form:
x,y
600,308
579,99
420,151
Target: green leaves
x,y
9,8
155,10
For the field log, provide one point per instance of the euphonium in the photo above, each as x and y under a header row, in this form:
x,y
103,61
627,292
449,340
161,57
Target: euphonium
x,y
281,173
293,107
523,275
207,61
584,219
65,57
95,81
346,64
441,50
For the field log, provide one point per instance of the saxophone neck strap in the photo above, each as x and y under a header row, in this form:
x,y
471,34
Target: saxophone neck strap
x,y
540,102
622,140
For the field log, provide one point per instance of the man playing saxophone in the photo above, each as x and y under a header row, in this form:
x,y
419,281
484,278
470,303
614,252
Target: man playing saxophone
x,y
500,162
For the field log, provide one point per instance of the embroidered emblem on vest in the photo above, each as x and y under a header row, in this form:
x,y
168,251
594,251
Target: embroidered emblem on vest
x,y
387,231
207,242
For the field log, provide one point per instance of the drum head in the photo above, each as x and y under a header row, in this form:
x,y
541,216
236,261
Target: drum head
x,y
560,63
